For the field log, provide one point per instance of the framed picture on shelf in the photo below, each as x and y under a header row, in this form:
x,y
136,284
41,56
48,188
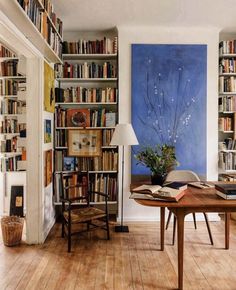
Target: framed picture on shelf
x,y
49,96
47,167
47,131
84,143
78,118
69,164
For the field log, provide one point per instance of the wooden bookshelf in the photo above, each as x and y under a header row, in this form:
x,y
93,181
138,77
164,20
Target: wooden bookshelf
x,y
17,15
102,83
11,110
227,108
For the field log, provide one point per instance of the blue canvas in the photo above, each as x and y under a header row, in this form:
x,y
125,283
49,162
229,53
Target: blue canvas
x,y
169,101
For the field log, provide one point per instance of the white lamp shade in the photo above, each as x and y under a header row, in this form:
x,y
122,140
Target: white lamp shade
x,y
124,135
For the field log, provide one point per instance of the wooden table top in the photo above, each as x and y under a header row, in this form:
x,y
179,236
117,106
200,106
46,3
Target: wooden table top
x,y
194,198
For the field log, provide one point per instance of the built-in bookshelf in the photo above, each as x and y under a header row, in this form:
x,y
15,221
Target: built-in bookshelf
x,y
40,25
227,110
87,99
12,113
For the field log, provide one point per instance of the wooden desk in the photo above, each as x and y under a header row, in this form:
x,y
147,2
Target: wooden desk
x,y
195,200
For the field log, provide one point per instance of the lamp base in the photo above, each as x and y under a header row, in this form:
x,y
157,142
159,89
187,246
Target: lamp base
x,y
121,229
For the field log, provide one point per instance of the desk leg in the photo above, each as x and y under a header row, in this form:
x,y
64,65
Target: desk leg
x,y
162,228
180,226
227,229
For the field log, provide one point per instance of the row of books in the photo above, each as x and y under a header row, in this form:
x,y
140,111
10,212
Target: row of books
x,y
10,164
230,144
9,126
82,46
107,162
8,106
89,70
103,183
227,160
8,87
100,183
8,68
227,65
55,20
85,118
227,46
225,124
227,84
8,145
42,23
5,52
61,138
86,95
106,136
227,104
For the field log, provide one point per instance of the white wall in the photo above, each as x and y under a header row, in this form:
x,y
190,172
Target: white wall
x,y
164,35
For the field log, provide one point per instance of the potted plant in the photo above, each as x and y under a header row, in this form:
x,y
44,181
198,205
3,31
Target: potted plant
x,y
160,159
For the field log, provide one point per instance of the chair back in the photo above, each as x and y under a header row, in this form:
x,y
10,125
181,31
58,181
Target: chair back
x,y
78,183
182,175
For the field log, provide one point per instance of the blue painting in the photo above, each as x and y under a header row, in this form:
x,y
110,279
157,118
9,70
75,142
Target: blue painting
x,y
169,102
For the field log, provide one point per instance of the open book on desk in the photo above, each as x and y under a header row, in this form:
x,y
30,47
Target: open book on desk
x,y
170,192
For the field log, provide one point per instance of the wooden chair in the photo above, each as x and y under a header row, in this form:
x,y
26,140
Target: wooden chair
x,y
188,176
76,207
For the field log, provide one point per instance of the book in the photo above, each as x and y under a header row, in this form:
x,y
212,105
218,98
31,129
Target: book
x,y
173,191
202,185
226,188
226,196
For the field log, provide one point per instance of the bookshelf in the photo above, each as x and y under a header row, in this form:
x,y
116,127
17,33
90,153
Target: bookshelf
x,y
88,85
39,24
12,123
227,110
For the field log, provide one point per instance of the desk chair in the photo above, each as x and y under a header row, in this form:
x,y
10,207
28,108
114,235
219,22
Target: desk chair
x,y
188,176
76,207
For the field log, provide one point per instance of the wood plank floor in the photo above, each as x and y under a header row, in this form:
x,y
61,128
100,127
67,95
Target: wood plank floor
x,y
128,261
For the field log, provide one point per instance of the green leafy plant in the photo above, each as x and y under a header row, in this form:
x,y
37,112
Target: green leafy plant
x,y
160,159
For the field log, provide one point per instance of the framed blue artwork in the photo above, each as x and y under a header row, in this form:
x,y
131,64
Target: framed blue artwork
x,y
169,102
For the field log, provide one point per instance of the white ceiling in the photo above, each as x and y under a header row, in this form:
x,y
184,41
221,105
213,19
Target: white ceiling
x,y
105,14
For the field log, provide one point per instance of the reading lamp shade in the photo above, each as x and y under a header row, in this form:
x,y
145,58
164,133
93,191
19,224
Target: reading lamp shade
x,y
124,135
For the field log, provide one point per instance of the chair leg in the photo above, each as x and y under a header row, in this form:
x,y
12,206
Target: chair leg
x,y
168,219
174,230
63,228
107,225
208,228
194,220
69,237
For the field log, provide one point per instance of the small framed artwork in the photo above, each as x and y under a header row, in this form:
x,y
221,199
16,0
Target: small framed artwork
x,y
78,118
85,143
47,131
47,167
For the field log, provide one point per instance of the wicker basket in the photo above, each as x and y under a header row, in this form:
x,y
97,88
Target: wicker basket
x,y
12,227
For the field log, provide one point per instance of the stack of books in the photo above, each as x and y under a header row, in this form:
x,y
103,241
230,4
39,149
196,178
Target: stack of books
x,y
226,190
172,191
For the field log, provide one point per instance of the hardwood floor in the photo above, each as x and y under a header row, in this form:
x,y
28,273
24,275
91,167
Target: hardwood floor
x,y
128,261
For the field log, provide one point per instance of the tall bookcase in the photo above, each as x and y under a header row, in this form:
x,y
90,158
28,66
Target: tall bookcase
x,y
87,101
38,23
12,124
227,110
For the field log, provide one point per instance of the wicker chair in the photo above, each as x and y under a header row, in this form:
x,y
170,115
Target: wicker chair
x,y
76,206
188,176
